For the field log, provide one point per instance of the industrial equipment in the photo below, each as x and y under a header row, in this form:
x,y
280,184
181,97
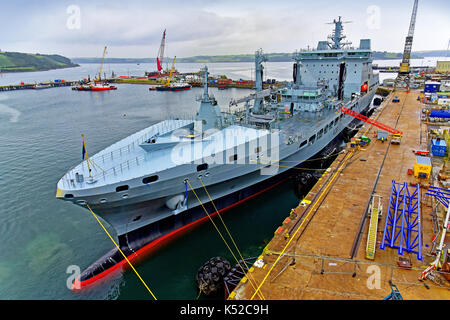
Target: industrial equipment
x,y
404,73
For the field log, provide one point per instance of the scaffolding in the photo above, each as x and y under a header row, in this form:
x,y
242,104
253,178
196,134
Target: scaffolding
x,y
402,229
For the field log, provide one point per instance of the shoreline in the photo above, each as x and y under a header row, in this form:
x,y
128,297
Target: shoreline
x,y
40,70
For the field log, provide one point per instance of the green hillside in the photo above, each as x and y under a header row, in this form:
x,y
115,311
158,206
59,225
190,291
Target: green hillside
x,y
21,62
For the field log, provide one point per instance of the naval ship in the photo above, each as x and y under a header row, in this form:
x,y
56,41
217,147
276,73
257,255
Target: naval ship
x,y
143,186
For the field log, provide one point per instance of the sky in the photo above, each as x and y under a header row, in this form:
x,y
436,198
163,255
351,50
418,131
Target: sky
x,y
134,28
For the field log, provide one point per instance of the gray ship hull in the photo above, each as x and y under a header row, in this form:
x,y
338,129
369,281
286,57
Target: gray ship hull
x,y
144,224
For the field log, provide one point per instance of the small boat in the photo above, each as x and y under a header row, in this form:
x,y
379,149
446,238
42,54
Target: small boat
x,y
82,87
41,86
94,87
172,87
103,87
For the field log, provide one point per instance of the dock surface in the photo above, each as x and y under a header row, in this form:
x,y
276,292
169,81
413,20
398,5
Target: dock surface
x,y
320,251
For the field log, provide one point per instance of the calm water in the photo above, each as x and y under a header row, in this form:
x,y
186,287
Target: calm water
x,y
40,237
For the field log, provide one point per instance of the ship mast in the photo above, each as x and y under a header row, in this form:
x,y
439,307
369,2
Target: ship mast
x,y
259,69
337,36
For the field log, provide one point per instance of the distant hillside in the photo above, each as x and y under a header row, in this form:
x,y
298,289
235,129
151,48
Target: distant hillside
x,y
22,62
273,57
117,60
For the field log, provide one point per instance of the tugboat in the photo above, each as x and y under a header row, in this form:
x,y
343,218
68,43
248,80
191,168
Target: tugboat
x,y
98,84
103,87
177,86
94,87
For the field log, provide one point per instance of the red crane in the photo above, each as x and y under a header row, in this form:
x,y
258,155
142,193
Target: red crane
x,y
160,57
370,121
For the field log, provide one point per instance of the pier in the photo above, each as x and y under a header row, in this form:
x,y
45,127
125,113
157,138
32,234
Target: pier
x,y
328,247
25,86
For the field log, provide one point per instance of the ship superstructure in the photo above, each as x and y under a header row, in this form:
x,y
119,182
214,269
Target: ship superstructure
x,y
142,184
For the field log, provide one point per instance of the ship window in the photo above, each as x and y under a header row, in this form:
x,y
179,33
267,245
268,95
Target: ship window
x,y
68,196
312,139
303,144
326,129
233,158
122,188
258,150
150,179
137,218
319,135
201,167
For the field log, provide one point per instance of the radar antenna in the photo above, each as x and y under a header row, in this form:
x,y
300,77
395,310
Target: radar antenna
x,y
337,36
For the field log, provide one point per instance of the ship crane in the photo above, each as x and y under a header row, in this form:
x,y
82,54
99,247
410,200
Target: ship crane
x,y
160,57
404,72
171,72
101,65
370,121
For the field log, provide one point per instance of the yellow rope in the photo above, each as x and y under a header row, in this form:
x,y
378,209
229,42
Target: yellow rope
x,y
231,237
295,233
217,229
95,216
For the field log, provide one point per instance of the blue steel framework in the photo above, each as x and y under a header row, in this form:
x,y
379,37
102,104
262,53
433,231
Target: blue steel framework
x,y
441,195
402,229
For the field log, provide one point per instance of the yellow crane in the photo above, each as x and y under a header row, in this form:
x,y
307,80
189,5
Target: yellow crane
x,y
171,71
101,65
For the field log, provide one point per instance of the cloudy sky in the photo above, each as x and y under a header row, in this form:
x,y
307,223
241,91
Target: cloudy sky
x,y
200,27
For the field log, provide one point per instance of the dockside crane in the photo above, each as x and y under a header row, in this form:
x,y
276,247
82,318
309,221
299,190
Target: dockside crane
x,y
171,72
101,65
160,57
404,74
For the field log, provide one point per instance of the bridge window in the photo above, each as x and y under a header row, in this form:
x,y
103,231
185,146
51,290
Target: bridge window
x,y
233,158
312,139
150,179
122,188
303,144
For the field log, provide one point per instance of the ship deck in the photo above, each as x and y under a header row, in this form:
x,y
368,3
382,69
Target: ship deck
x,y
327,233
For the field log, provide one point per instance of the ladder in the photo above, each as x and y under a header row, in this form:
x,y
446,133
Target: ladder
x,y
395,293
375,213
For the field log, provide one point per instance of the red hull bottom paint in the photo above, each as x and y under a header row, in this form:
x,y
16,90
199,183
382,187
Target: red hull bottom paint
x,y
78,285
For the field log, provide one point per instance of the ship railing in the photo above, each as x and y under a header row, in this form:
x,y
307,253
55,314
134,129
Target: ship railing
x,y
159,128
129,163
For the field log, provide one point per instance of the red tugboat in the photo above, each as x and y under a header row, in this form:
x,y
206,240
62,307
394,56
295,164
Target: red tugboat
x,y
98,85
103,87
